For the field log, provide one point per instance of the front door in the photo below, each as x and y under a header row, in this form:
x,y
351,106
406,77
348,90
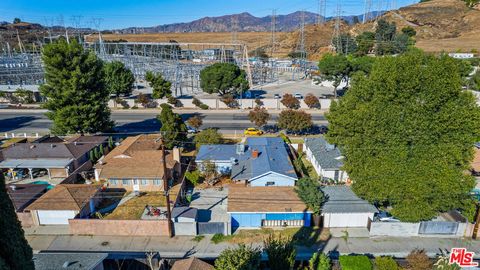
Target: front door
x,y
136,186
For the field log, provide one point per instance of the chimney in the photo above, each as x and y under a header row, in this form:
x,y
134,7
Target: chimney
x,y
176,154
255,153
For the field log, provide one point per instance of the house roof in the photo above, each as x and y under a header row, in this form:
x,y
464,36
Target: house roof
x,y
23,195
184,212
68,261
138,156
328,156
36,163
273,157
264,200
65,197
191,263
40,150
341,199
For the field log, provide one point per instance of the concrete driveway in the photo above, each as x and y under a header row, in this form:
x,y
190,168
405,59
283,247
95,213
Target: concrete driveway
x,y
211,204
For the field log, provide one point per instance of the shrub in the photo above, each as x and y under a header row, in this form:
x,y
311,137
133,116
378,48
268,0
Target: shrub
x,y
134,107
241,258
418,260
320,261
355,262
204,106
143,99
312,101
290,101
230,101
259,102
193,177
208,136
24,96
196,102
285,138
195,121
385,263
259,116
174,101
281,252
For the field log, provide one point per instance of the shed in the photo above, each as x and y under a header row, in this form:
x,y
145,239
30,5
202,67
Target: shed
x,y
184,214
344,209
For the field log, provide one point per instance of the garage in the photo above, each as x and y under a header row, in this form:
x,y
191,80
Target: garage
x,y
55,217
344,209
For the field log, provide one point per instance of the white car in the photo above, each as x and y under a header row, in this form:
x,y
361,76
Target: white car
x,y
298,96
191,130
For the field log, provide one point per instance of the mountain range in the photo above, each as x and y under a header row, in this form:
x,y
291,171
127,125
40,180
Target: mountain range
x,y
245,22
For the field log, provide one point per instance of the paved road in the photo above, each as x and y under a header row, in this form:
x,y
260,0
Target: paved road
x,y
180,246
33,121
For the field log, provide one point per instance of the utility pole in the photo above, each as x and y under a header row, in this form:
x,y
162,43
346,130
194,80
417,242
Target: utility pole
x,y
166,189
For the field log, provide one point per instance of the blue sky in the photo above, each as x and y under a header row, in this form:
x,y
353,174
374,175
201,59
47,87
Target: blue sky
x,y
124,13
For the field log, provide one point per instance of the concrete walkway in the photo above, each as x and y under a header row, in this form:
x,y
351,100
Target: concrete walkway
x,y
182,246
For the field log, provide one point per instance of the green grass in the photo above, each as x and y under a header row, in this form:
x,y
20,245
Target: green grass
x,y
218,238
310,170
198,238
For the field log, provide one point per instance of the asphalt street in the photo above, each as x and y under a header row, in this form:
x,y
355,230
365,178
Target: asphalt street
x,y
35,121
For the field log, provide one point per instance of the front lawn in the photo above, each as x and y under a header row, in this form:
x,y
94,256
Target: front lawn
x,y
133,208
304,236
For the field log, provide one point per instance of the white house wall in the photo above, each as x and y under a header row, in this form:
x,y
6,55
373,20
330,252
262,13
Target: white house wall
x,y
277,179
346,220
342,175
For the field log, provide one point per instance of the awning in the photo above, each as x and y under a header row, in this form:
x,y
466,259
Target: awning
x,y
36,163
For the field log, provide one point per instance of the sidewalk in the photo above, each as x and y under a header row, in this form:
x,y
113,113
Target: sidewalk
x,y
181,246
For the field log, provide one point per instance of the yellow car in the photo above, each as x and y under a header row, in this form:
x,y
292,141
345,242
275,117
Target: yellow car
x,y
253,131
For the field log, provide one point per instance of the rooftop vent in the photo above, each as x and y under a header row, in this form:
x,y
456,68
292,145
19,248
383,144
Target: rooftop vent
x,y
234,161
32,146
255,153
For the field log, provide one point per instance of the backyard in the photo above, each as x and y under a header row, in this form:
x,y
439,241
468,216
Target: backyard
x,y
134,207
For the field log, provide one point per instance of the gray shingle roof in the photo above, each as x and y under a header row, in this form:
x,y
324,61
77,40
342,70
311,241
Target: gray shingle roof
x,y
273,157
326,154
73,261
341,199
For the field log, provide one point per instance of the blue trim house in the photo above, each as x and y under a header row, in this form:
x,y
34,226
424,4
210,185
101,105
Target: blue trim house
x,y
258,162
257,207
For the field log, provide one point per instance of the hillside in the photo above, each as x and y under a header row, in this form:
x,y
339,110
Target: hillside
x,y
441,25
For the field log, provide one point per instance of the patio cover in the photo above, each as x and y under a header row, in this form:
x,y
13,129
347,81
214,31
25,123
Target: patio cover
x,y
36,163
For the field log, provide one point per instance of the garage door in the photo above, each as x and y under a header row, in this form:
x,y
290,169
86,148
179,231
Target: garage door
x,y
346,220
54,217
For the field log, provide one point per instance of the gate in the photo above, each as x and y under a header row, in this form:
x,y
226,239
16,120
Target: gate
x,y
438,227
210,227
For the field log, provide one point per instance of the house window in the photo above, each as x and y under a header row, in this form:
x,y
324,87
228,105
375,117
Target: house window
x,y
270,184
144,182
125,182
157,182
113,181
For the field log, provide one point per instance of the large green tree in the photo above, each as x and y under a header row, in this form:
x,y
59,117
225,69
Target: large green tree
x,y
365,43
335,68
223,78
75,90
280,251
173,130
118,78
407,132
160,86
309,192
385,33
15,253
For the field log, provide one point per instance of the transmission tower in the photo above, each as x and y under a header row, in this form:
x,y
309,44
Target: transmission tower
x,y
234,29
322,7
368,9
273,29
302,35
379,9
336,42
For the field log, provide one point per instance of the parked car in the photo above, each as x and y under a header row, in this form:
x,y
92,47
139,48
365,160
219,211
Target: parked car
x,y
253,131
298,96
385,217
322,129
191,130
277,96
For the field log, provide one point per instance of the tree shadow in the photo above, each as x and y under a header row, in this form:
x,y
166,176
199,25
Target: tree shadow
x,y
147,125
16,122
